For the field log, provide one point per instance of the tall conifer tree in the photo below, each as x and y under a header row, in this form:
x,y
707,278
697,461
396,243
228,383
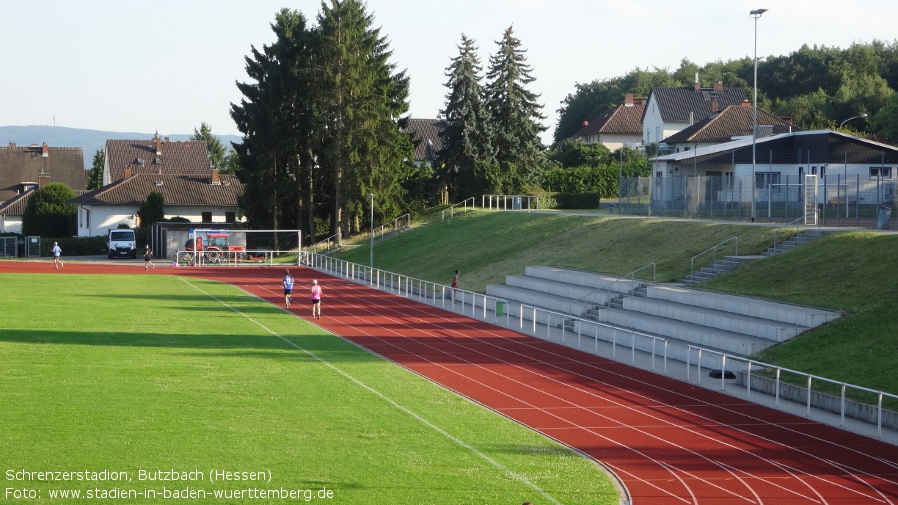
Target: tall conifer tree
x,y
361,101
466,138
515,114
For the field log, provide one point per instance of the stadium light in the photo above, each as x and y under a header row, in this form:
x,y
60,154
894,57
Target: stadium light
x,y
371,260
849,119
755,14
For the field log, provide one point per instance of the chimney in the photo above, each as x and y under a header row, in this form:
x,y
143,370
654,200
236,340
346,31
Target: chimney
x,y
715,107
12,144
697,84
45,150
158,146
215,179
746,103
628,99
43,179
718,86
127,172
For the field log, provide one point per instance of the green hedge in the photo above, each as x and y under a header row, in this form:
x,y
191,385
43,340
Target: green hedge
x,y
569,200
75,246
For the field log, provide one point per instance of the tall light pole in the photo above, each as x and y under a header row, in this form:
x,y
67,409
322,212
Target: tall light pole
x,y
849,119
371,261
755,14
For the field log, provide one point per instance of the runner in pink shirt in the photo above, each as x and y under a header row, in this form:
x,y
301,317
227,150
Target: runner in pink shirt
x,y
316,300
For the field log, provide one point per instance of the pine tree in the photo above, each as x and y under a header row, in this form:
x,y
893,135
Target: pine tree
x,y
268,116
466,137
515,114
95,177
361,100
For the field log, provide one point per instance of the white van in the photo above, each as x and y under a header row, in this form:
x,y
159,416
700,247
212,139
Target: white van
x,y
121,242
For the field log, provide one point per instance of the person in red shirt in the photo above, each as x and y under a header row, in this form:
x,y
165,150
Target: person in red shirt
x,y
454,285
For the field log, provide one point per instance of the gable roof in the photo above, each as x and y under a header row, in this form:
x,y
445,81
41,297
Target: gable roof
x,y
733,121
687,104
182,190
622,118
425,134
16,205
19,165
159,156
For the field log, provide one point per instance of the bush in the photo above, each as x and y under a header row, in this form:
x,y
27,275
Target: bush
x,y
569,200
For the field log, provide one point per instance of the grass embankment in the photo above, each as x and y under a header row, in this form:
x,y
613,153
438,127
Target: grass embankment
x,y
125,373
854,273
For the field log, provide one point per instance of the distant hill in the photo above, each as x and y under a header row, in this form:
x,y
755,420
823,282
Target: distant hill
x,y
88,140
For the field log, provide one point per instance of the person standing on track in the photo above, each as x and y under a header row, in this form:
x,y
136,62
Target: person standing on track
x,y
148,259
316,300
57,252
454,285
287,282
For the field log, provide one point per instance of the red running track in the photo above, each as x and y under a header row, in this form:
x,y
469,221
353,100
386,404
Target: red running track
x,y
667,441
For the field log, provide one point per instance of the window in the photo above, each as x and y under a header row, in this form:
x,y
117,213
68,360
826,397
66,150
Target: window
x,y
207,217
880,172
764,179
230,217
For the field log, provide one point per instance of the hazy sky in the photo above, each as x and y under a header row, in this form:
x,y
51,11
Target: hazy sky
x,y
166,66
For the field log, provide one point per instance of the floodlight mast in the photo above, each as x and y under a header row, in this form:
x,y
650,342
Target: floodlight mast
x,y
755,14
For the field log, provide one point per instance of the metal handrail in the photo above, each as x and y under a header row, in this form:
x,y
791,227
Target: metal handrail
x,y
692,266
608,285
393,224
452,207
782,228
314,246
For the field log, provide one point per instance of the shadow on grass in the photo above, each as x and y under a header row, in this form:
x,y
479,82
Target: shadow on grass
x,y
326,347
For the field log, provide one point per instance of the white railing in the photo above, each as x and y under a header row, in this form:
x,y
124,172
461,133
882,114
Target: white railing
x,y
517,202
452,207
394,225
624,345
755,376
714,250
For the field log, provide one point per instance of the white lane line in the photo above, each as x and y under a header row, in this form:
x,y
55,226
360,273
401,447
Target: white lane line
x,y
394,403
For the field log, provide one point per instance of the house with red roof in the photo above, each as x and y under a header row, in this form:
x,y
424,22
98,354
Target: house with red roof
x,y
179,170
617,126
26,168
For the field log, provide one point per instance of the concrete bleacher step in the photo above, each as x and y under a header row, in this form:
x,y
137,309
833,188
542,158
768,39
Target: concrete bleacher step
x,y
729,323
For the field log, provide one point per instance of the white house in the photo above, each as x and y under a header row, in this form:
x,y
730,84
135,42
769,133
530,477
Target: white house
x,y
209,198
670,110
615,127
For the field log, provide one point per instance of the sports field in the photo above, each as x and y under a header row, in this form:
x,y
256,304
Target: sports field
x,y
147,388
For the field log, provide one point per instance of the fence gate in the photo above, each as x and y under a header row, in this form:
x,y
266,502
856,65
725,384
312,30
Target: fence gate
x,y
32,247
810,200
8,247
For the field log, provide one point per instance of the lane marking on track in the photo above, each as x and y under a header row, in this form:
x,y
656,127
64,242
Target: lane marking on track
x,y
382,396
795,473
392,304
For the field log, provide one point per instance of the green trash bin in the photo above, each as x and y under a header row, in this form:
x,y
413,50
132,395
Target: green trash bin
x,y
500,308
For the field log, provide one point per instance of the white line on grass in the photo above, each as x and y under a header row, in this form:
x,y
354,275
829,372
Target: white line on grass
x,y
385,398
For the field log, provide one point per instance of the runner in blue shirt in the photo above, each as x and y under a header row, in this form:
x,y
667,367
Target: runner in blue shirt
x,y
288,288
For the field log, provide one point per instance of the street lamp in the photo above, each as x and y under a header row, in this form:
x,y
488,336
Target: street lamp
x,y
849,119
371,261
755,14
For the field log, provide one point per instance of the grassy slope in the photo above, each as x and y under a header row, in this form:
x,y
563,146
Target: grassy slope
x,y
850,272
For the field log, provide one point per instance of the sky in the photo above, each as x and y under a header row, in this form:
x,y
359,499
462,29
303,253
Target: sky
x,y
167,66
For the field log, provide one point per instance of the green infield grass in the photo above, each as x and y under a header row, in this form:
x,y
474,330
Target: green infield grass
x,y
155,388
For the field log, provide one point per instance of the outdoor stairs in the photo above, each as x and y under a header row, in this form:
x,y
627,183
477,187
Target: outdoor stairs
x,y
729,263
605,307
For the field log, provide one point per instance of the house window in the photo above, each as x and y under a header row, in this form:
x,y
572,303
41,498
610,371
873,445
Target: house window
x,y
230,217
764,179
880,172
207,217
